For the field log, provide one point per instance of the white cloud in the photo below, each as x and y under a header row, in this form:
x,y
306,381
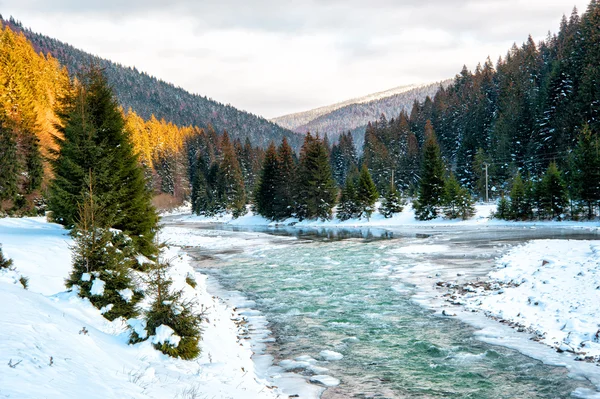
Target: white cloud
x,y
271,58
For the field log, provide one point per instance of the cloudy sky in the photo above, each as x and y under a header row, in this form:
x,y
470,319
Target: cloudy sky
x,y
273,57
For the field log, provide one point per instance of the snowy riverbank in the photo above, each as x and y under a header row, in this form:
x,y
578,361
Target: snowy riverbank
x,y
56,345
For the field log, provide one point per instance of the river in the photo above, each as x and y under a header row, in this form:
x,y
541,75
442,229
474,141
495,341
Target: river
x,y
353,292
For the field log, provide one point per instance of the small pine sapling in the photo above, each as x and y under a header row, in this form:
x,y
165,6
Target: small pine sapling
x,y
4,262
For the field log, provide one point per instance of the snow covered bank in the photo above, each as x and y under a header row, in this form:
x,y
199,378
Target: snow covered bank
x,y
57,345
550,288
404,219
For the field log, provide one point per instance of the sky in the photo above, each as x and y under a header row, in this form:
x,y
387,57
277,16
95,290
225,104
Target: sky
x,y
272,57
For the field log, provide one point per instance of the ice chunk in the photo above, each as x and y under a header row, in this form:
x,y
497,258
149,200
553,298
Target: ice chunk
x,y
331,355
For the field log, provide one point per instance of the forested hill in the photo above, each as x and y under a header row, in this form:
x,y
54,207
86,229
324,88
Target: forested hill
x,y
147,95
356,113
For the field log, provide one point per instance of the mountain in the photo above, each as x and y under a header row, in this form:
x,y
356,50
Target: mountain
x,y
356,113
147,95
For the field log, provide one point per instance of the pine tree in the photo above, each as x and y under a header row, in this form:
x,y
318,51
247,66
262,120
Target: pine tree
x,y
34,167
457,200
366,193
586,170
8,163
169,310
431,189
230,180
503,209
267,192
553,193
94,139
316,187
392,203
349,206
520,200
102,263
4,262
284,205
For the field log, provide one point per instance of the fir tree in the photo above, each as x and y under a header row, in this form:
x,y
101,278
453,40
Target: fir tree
x,y
349,206
586,170
520,201
34,167
431,189
392,203
552,193
503,209
102,263
316,187
284,205
266,195
8,163
4,262
94,139
230,180
366,192
169,309
457,200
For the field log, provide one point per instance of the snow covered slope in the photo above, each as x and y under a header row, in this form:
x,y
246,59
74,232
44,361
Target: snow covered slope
x,y
57,345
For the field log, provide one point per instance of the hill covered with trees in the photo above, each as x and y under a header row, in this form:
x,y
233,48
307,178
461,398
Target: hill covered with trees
x,y
147,95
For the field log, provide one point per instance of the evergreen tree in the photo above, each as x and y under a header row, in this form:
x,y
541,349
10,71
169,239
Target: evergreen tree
x,y
8,163
284,205
457,200
169,310
553,193
586,170
230,180
267,191
316,187
94,139
520,200
431,189
503,209
349,206
366,193
200,189
34,167
4,262
392,203
102,263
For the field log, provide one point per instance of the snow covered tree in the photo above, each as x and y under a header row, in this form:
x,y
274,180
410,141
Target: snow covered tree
x,y
366,193
457,200
171,321
284,204
586,170
316,188
552,193
93,138
4,262
503,209
348,207
431,189
102,263
230,180
392,203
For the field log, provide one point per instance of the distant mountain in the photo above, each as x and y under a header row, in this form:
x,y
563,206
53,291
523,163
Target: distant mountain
x,y
354,114
147,95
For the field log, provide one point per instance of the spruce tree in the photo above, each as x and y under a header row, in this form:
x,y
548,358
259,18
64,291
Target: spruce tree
x,y
316,188
102,263
520,201
284,205
366,193
266,194
503,209
8,163
349,206
553,193
94,139
431,189
200,189
392,203
586,170
230,180
168,309
457,200
34,166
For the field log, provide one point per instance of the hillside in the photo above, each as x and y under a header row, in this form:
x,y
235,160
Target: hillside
x,y
356,113
148,96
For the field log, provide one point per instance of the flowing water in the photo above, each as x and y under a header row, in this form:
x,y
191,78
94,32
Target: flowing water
x,y
349,296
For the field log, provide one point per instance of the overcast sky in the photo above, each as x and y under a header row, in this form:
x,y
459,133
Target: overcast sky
x,y
273,57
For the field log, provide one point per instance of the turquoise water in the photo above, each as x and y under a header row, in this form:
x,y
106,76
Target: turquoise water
x,y
341,296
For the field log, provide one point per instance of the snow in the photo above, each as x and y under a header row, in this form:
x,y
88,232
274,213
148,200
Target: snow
x,y
550,288
97,287
165,334
60,346
126,294
326,380
331,355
